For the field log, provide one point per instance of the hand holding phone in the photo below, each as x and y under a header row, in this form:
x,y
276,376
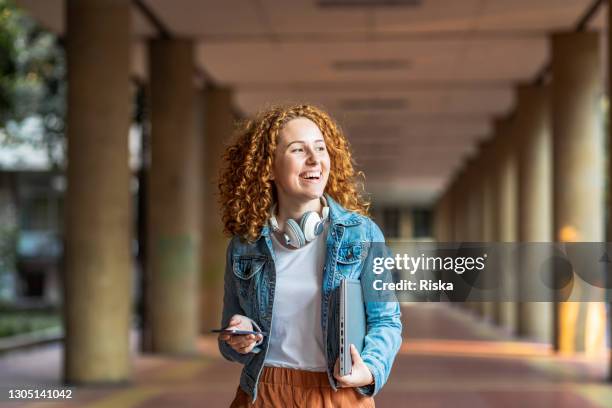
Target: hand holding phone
x,y
234,335
236,332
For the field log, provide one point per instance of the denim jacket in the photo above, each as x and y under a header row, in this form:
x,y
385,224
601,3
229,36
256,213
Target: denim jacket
x,y
250,278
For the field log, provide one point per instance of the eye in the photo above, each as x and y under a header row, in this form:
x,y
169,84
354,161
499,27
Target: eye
x,y
320,148
297,149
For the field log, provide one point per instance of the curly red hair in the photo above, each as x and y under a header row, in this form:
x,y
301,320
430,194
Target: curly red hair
x,y
246,191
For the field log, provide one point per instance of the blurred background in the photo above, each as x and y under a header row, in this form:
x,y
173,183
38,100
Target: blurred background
x,y
473,121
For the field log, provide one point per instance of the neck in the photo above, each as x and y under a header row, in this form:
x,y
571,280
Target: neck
x,y
295,209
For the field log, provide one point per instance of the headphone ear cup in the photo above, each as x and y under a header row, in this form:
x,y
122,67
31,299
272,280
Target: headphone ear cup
x,y
295,234
318,230
309,223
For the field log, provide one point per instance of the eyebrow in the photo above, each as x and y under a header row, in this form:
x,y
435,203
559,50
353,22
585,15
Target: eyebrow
x,y
301,141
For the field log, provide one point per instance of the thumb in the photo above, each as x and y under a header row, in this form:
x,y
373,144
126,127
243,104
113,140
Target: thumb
x,y
235,320
337,369
355,355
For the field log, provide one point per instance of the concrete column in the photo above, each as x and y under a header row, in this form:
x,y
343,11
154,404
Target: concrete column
x,y
490,211
489,198
471,206
406,224
218,129
442,218
439,216
455,213
534,205
459,217
174,206
460,207
472,213
465,214
456,234
98,280
450,217
447,229
476,212
609,170
507,205
578,171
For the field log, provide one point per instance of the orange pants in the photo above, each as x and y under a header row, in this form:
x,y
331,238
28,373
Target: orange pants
x,y
289,388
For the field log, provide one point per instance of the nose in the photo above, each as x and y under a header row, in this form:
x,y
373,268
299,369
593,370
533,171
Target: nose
x,y
312,157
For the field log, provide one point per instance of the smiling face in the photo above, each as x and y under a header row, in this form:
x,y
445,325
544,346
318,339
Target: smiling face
x,y
301,162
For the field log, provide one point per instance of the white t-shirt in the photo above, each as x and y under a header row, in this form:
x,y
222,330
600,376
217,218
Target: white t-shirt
x,y
296,338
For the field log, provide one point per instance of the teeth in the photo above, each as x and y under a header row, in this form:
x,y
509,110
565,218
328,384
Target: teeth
x,y
310,174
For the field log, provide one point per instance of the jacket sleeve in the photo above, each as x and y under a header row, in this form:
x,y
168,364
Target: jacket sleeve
x,y
231,306
384,327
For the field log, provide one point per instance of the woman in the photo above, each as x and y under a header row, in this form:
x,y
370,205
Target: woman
x,y
290,202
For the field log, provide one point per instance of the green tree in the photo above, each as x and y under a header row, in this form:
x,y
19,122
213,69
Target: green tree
x,y
32,83
8,36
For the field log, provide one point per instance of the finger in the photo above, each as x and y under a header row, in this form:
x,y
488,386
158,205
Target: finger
x,y
337,369
236,340
337,376
355,355
245,341
343,383
235,320
245,349
239,346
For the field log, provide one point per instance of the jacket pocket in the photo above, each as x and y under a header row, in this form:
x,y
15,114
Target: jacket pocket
x,y
247,270
350,258
247,266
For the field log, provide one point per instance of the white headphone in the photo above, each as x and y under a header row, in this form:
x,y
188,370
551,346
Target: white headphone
x,y
310,226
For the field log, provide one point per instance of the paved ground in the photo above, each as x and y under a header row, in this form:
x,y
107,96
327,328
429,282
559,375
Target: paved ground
x,y
448,359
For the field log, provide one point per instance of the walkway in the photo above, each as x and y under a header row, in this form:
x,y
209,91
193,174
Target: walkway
x,y
448,359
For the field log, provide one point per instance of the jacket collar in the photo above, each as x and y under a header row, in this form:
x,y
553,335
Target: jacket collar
x,y
338,215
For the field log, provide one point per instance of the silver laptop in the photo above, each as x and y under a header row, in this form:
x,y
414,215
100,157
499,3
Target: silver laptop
x,y
352,322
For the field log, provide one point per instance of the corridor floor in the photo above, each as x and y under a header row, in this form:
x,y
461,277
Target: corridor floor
x,y
448,359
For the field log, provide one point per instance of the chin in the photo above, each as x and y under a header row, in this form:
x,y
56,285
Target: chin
x,y
312,194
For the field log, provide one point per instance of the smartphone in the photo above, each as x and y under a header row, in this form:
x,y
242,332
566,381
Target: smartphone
x,y
236,332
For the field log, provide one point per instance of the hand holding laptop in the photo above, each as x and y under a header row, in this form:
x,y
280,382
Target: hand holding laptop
x,y
243,344
360,374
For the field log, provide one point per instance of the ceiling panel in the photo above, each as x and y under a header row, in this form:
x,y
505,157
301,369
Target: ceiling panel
x,y
425,60
482,102
198,17
493,15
